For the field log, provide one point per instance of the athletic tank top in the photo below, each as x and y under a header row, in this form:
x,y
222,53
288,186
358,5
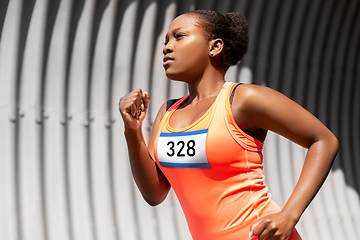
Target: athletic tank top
x,y
215,169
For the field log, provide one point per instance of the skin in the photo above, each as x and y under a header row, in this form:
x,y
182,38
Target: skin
x,y
187,58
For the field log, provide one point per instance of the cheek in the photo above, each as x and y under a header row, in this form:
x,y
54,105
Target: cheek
x,y
194,55
196,50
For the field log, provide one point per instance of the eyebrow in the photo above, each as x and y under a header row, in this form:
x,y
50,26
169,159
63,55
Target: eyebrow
x,y
174,31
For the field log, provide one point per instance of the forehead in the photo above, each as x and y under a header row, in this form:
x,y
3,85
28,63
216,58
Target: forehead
x,y
184,21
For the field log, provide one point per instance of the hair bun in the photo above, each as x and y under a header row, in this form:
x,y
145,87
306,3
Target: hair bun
x,y
239,28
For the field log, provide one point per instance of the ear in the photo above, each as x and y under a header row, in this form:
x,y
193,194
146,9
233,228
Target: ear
x,y
216,47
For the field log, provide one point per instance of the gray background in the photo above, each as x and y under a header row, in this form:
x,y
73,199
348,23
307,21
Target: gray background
x,y
64,64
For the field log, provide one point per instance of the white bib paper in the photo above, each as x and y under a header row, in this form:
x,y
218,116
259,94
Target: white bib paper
x,y
187,149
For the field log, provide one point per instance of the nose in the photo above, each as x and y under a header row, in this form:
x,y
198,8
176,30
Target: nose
x,y
168,48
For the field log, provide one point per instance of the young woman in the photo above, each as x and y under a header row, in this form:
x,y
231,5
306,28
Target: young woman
x,y
207,145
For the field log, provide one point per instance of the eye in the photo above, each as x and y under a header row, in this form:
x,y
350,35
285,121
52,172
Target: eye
x,y
180,35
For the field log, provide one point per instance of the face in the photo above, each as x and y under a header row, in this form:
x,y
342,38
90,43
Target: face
x,y
186,50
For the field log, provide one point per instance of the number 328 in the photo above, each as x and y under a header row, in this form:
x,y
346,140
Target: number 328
x,y
189,145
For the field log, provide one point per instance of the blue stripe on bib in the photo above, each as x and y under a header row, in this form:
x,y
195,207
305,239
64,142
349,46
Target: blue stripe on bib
x,y
184,133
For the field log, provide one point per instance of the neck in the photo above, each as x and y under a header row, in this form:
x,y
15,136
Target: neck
x,y
207,86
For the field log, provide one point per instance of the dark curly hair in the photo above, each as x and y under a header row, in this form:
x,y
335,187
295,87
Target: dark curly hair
x,y
232,28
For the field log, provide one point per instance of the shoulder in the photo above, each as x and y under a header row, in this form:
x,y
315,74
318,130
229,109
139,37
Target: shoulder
x,y
254,104
251,95
253,89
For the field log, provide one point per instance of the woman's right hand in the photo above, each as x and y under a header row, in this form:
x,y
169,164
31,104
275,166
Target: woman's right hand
x,y
133,108
151,182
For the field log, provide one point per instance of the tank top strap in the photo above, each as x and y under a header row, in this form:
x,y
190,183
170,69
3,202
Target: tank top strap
x,y
178,103
223,100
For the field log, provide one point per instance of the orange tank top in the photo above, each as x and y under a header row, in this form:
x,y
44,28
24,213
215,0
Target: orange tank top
x,y
215,170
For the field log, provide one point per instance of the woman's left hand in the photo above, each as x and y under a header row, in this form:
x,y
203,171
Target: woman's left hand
x,y
273,227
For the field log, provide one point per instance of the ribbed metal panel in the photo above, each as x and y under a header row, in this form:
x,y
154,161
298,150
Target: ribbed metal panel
x,y
64,64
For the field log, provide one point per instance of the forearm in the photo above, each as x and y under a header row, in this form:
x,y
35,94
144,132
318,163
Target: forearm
x,y
317,165
149,179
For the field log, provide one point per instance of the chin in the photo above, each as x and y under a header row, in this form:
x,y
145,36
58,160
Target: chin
x,y
178,79
173,76
178,76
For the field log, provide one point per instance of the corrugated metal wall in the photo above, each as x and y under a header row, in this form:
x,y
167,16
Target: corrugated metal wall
x,y
64,64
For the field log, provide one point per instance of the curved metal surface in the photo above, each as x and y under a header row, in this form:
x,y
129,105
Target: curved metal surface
x,y
64,64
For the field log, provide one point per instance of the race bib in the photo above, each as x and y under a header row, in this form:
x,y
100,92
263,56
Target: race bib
x,y
187,149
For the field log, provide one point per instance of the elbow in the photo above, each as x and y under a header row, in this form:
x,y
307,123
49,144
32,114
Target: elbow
x,y
154,200
329,141
332,142
156,197
332,145
335,144
153,203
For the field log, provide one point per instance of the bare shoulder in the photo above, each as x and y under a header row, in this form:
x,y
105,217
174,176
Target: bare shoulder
x,y
250,93
257,106
251,97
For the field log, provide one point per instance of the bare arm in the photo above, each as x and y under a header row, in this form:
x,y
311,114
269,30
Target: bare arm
x,y
260,107
150,180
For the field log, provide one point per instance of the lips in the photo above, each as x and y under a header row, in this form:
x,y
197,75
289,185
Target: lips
x,y
167,59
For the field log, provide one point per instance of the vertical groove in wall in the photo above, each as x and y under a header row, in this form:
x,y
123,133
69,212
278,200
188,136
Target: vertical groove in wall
x,y
300,10
26,12
117,20
142,6
76,11
51,13
355,31
353,107
42,178
309,96
335,85
255,38
355,118
97,15
17,180
89,175
3,8
326,70
347,30
135,37
262,55
67,178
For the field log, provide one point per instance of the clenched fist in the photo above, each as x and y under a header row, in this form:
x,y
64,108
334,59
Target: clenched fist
x,y
133,108
273,227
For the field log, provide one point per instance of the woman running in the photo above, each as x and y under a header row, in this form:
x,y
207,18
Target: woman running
x,y
208,145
